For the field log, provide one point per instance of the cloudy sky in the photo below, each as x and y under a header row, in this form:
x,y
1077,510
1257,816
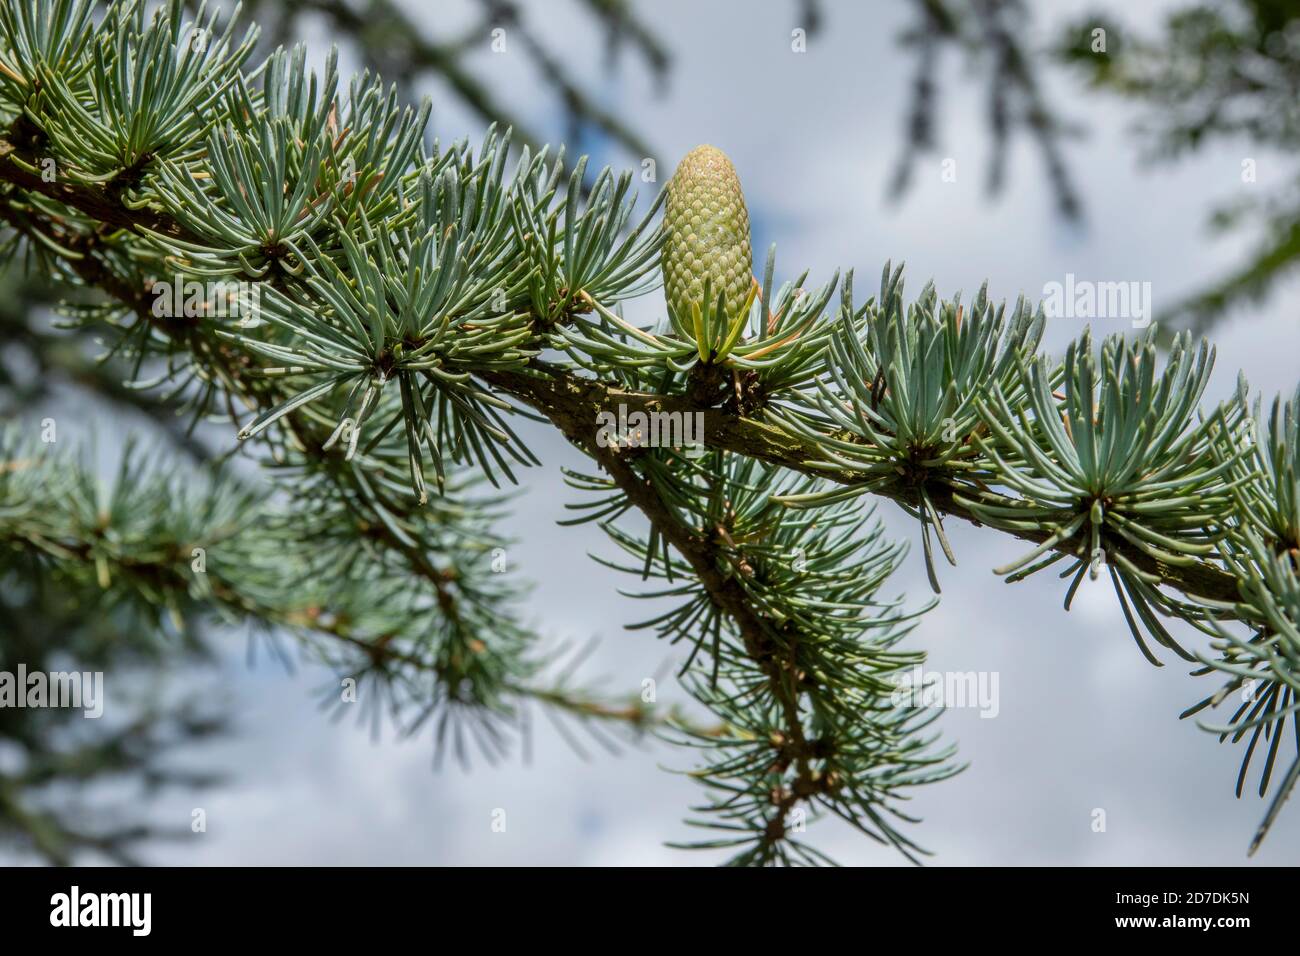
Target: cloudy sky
x,y
1084,723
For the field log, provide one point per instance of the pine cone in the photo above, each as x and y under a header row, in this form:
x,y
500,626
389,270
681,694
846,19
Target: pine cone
x,y
707,228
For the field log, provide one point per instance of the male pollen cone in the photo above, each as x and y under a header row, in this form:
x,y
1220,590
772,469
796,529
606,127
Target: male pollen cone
x,y
707,234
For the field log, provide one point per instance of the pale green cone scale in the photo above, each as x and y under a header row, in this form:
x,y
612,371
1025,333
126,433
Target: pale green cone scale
x,y
707,233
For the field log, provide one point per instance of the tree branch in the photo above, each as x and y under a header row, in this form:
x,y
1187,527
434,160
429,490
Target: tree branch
x,y
580,399
576,402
